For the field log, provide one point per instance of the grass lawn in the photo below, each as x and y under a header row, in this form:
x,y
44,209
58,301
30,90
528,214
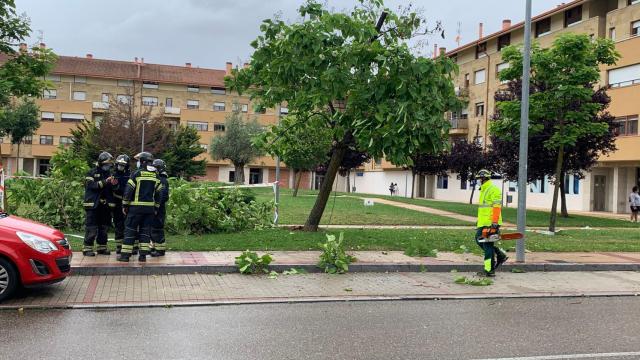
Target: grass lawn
x,y
399,239
534,217
348,211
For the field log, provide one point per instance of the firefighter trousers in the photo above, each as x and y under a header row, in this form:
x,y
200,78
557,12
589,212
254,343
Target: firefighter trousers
x,y
97,222
137,227
157,231
118,224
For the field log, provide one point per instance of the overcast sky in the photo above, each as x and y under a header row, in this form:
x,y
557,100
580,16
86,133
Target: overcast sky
x,y
208,33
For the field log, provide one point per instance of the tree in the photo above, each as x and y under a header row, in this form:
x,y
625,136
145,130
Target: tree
x,y
120,131
353,158
467,159
302,148
428,164
236,144
356,72
179,157
562,99
20,120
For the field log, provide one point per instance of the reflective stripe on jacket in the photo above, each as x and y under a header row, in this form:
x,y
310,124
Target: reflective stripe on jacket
x,y
490,197
143,191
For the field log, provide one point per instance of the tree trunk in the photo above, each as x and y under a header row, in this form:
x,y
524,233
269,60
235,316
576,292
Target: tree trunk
x,y
297,185
239,175
18,159
556,191
348,181
413,182
563,198
325,189
473,191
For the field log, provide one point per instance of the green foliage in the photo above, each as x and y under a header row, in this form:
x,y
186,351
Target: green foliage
x,y
295,271
463,280
250,263
179,157
420,249
195,208
67,164
236,143
20,119
333,259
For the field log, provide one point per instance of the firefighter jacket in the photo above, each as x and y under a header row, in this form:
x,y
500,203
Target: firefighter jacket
x,y
142,193
96,189
118,190
490,205
164,194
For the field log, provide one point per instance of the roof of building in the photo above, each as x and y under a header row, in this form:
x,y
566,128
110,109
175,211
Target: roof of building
x,y
519,25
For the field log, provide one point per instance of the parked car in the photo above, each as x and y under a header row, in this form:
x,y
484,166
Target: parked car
x,y
31,254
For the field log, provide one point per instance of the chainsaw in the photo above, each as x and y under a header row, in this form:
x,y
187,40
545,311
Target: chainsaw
x,y
489,237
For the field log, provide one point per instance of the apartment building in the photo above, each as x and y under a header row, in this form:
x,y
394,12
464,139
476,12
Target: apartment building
x,y
83,88
603,189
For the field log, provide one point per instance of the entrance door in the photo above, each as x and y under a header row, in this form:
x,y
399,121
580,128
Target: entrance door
x,y
319,179
599,192
255,176
421,185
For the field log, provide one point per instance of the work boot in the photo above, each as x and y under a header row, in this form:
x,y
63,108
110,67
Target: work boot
x,y
157,253
104,252
142,258
135,251
88,253
486,273
118,250
501,261
123,257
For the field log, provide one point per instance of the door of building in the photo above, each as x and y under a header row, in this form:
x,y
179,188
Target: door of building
x,y
255,176
599,192
421,185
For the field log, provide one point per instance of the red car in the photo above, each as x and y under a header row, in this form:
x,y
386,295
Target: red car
x,y
31,254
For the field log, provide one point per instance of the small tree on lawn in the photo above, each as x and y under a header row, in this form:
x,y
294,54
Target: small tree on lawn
x,y
179,157
302,148
357,73
562,100
428,164
466,159
352,160
20,120
236,145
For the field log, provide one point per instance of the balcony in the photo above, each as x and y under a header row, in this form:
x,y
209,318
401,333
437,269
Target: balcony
x,y
459,126
100,105
169,110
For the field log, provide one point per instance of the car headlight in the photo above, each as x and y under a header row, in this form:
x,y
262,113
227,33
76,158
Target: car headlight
x,y
37,243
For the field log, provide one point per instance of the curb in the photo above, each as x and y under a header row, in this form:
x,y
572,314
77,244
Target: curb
x,y
356,267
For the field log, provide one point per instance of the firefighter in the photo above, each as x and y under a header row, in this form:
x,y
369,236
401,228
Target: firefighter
x,y
489,221
140,203
121,176
97,197
157,230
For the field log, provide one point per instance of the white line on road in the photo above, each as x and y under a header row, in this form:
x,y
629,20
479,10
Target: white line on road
x,y
571,356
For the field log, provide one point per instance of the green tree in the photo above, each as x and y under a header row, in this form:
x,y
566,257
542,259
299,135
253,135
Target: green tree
x,y
179,157
236,144
19,120
564,79
356,72
302,148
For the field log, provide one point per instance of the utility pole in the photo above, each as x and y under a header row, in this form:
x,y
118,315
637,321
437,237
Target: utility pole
x,y
142,144
277,204
524,136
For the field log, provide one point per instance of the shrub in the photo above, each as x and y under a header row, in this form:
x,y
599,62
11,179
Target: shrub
x,y
420,249
250,263
334,260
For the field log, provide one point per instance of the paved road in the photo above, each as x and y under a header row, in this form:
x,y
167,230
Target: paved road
x,y
453,329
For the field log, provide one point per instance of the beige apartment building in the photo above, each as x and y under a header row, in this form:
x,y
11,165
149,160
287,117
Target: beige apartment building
x,y
83,88
607,186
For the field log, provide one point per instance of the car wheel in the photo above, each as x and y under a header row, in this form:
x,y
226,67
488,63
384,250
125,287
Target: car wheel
x,y
8,279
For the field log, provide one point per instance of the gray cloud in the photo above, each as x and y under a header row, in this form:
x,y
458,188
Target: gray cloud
x,y
208,33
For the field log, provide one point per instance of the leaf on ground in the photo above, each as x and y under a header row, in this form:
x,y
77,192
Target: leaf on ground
x,y
454,270
517,271
463,280
348,289
21,311
273,275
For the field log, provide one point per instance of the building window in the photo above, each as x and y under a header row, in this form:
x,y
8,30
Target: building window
x,y
66,140
571,184
168,102
624,76
54,78
193,88
105,97
218,106
463,184
635,28
443,182
467,82
504,41
150,85
49,94
27,140
378,162
500,68
150,101
71,117
573,16
480,77
47,116
479,109
200,126
79,96
240,107
481,50
80,79
125,83
43,167
255,176
538,186
626,126
543,27
612,33
218,90
205,147
46,139
124,99
219,127
260,110
284,111
193,104
513,186
232,176
245,108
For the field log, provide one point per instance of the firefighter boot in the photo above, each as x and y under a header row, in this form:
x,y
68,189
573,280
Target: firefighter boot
x,y
124,257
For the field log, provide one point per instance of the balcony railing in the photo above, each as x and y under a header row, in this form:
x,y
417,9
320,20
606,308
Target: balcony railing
x,y
459,123
101,105
172,110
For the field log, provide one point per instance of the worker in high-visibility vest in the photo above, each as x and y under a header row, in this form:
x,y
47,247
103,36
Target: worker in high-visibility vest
x,y
489,221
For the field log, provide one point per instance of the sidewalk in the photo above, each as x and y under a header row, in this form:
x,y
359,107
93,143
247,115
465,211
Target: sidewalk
x,y
367,261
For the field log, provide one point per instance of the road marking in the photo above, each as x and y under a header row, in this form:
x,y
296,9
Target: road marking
x,y
571,356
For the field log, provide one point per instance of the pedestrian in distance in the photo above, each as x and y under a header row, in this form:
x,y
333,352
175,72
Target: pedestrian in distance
x,y
489,221
391,189
97,200
634,202
140,204
158,245
121,175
